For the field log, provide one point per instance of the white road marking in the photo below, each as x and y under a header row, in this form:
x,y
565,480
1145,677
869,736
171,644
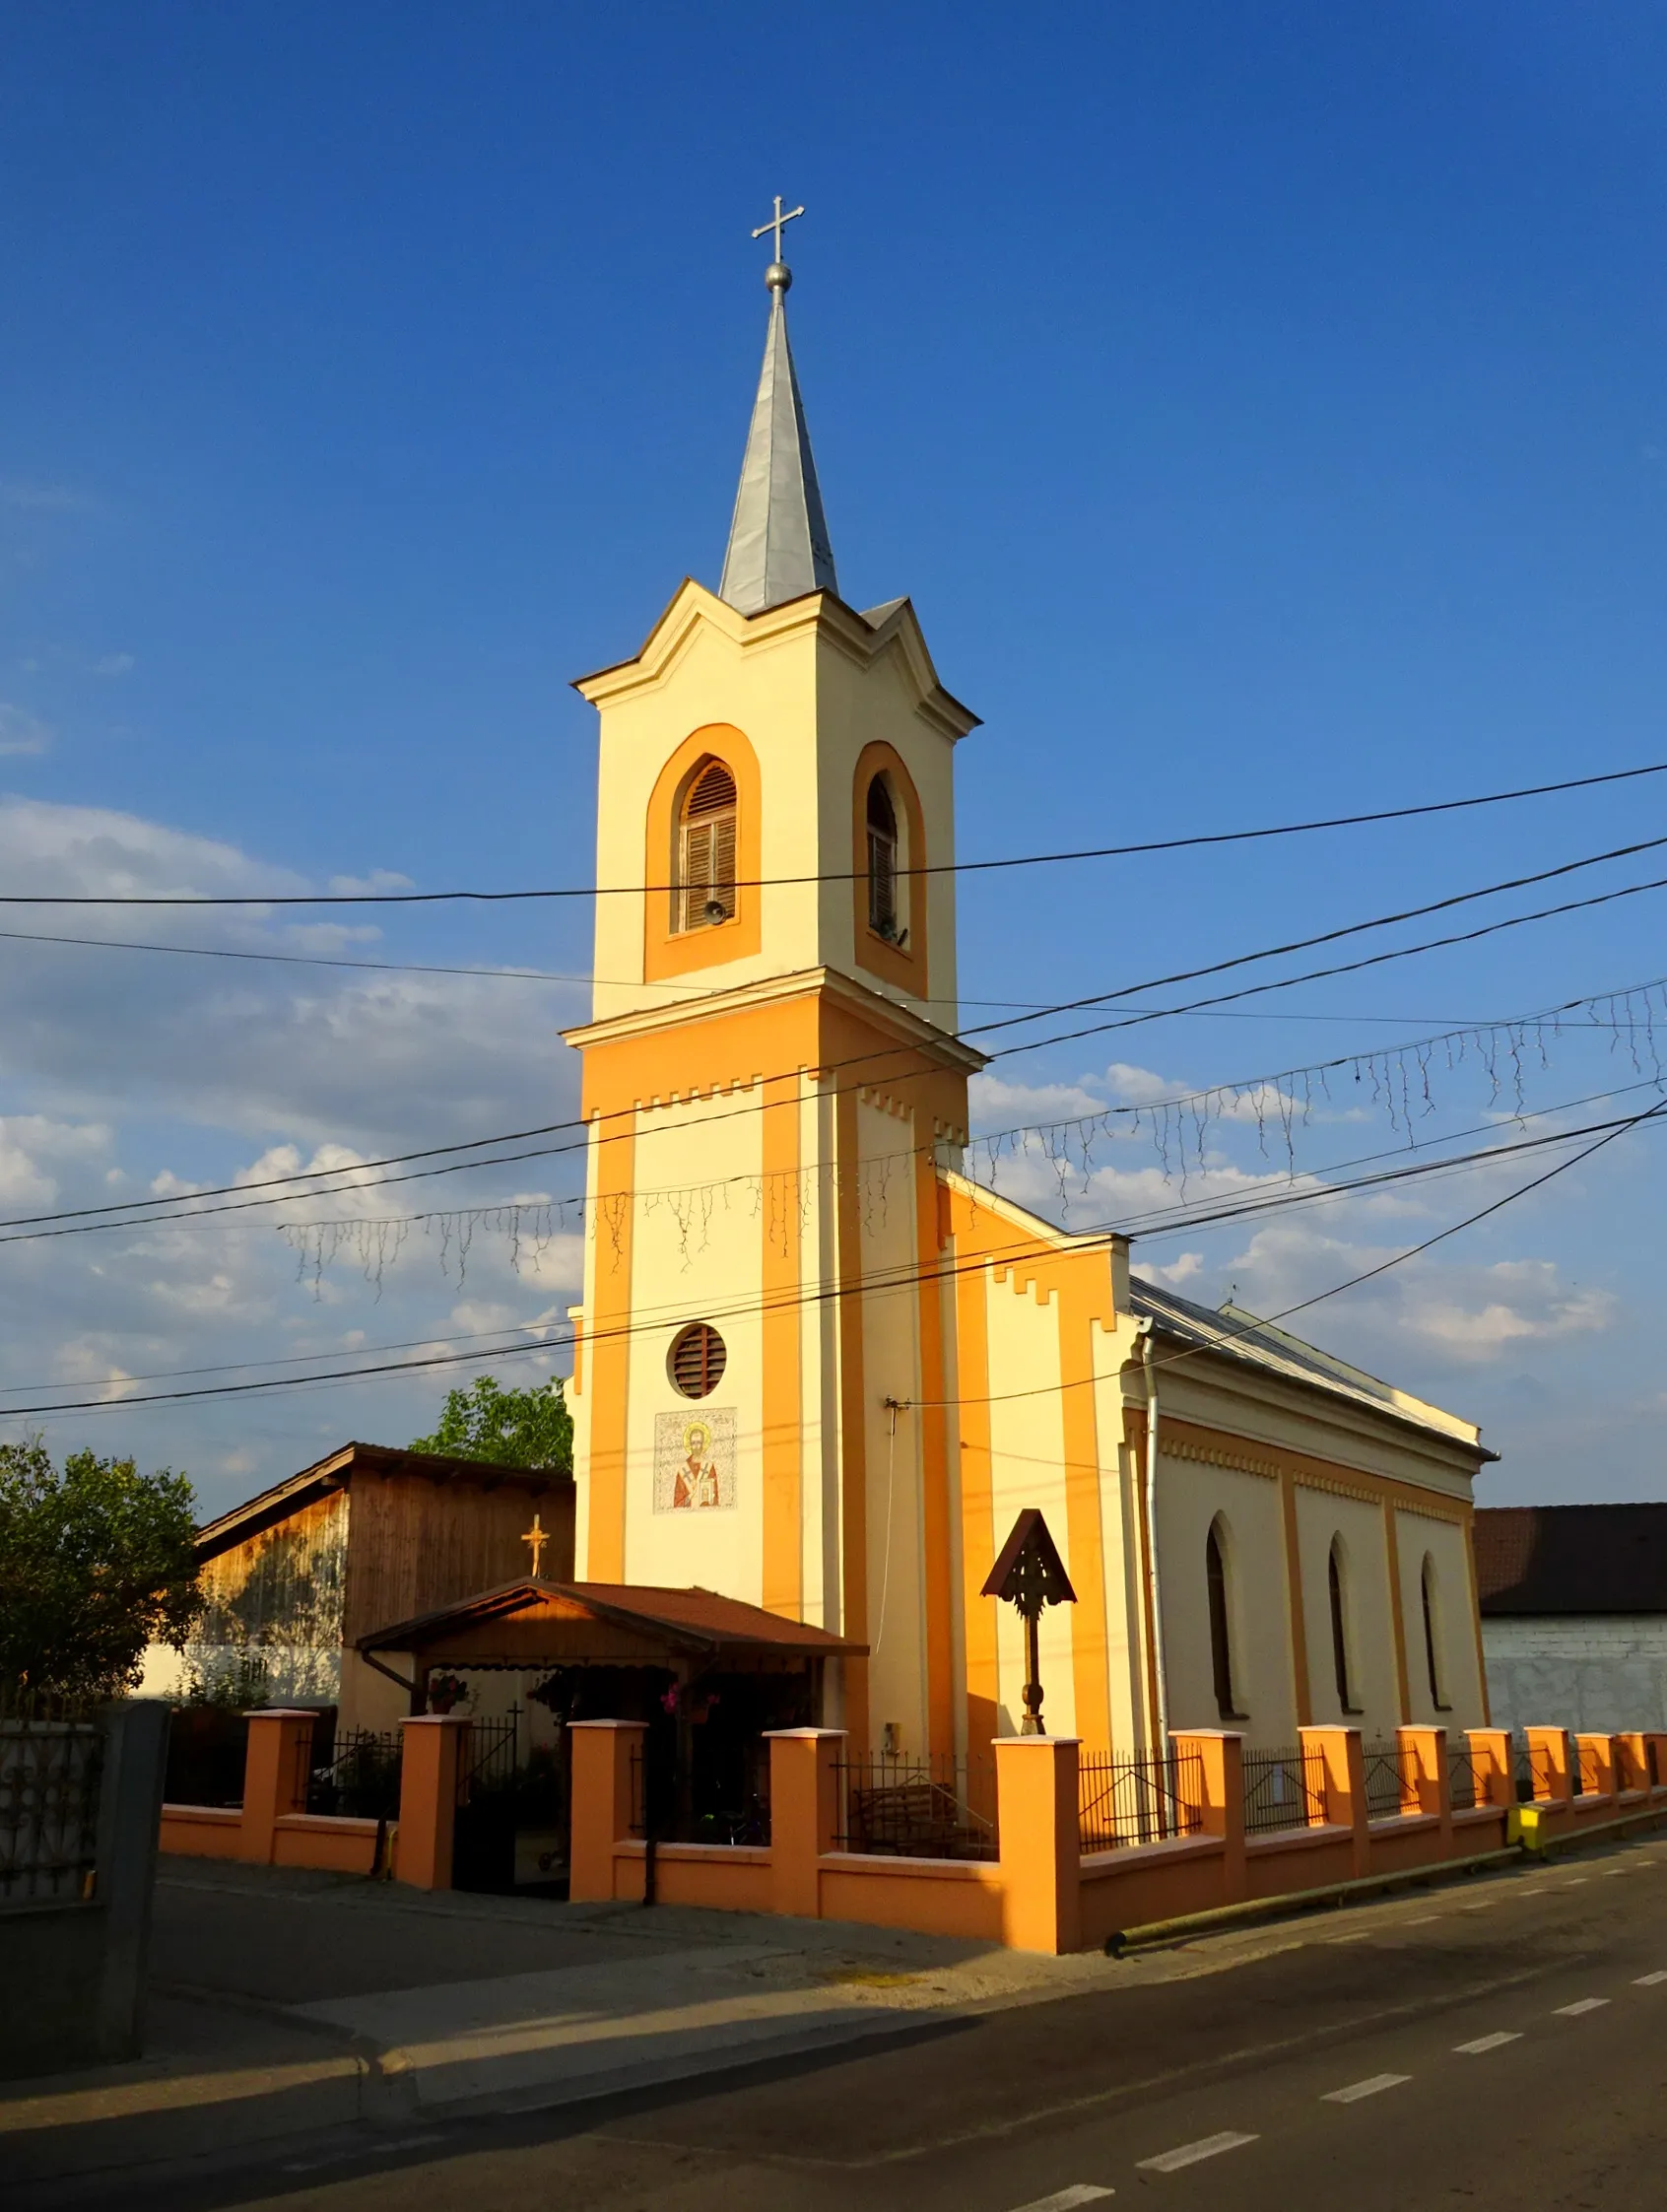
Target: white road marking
x,y
1581,2004
1066,2200
1489,2042
1649,1980
1359,1935
1485,1905
1423,1921
1371,2087
1189,2154
1573,1881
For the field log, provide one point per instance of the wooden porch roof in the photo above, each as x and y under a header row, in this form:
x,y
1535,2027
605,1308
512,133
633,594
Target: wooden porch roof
x,y
532,1622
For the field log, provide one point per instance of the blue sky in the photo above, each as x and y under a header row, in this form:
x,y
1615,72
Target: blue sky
x,y
1266,409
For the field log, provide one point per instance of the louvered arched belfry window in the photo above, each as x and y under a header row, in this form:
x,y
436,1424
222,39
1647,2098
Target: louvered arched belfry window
x,y
706,850
882,860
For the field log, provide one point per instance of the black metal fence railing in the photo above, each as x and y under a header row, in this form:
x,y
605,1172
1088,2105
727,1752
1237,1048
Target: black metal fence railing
x,y
358,1779
917,1808
51,1763
706,1817
1138,1797
1392,1778
1466,1786
493,1758
1283,1788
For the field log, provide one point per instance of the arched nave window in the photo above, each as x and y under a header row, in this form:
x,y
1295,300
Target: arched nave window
x,y
1337,1577
706,850
882,818
1220,1621
1431,1593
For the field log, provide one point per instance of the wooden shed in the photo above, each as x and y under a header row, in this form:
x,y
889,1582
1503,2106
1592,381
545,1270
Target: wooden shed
x,y
297,1574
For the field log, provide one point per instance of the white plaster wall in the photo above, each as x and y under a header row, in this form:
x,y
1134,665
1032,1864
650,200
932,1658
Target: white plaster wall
x,y
857,706
1190,1495
697,1255
1120,1504
770,697
1600,1672
1320,1515
1028,1468
807,708
890,1354
1415,1537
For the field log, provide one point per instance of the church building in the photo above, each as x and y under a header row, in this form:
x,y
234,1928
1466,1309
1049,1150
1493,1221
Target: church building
x,y
818,1371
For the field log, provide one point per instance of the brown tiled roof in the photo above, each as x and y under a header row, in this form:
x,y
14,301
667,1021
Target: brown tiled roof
x,y
1572,1559
691,1618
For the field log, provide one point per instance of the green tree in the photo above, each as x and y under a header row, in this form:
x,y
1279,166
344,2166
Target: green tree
x,y
96,1562
508,1427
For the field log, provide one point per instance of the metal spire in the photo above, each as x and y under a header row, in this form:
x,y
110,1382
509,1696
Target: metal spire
x,y
778,547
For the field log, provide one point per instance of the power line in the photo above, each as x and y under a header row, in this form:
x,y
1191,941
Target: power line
x,y
881,1280
1330,936
1344,967
688,991
131,1213
1399,1259
844,875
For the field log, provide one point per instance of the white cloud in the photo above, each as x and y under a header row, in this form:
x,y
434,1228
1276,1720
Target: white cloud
x,y
35,1148
21,731
1466,1314
998,1104
113,664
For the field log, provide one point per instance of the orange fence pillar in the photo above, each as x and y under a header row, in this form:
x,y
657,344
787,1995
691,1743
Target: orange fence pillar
x,y
1656,1759
275,1775
1041,1859
1597,1765
1344,1763
1425,1783
1219,1753
1549,1763
603,1751
1632,1761
433,1752
804,1814
1490,1756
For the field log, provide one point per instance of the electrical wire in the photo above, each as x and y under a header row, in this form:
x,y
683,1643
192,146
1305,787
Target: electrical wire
x,y
1330,936
314,1177
881,1281
848,875
139,1213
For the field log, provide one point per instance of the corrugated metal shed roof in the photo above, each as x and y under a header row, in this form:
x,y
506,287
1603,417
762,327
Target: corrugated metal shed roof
x,y
1237,1335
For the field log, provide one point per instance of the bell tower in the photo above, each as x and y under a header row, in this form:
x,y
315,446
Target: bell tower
x,y
770,1077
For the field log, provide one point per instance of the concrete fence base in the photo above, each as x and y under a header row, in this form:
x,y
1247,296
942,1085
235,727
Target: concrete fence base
x,y
1041,1894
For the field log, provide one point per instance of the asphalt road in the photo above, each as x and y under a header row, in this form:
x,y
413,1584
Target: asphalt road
x,y
1498,2041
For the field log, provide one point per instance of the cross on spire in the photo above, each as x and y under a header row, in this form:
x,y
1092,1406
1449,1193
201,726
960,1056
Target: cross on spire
x,y
778,222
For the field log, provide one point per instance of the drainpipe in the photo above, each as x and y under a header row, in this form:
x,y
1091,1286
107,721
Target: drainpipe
x,y
1143,1333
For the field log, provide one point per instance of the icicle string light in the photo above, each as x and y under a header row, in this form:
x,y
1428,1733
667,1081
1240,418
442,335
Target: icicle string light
x,y
1399,1082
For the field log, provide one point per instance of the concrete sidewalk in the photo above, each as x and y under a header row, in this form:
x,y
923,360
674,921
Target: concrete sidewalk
x,y
287,2004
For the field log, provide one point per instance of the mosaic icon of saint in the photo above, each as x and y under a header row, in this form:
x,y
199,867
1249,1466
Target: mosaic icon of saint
x,y
697,1481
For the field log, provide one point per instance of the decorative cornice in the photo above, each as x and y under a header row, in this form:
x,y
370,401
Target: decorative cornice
x,y
1369,1490
805,982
